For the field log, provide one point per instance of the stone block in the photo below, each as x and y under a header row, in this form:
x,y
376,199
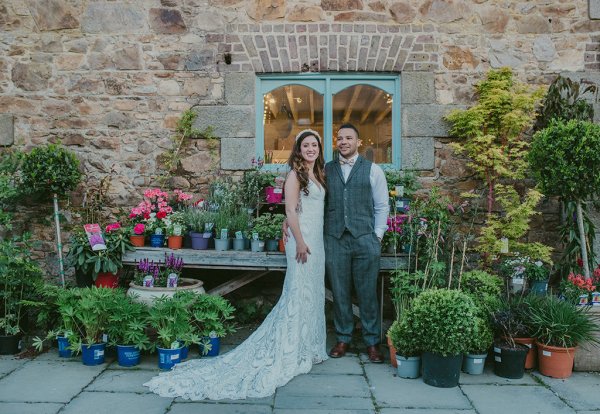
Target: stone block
x,y
122,381
237,153
239,88
27,408
425,120
113,18
117,402
418,88
7,130
594,9
418,153
354,386
52,15
191,408
227,121
580,391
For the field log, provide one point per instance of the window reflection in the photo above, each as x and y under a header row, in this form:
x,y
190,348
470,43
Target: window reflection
x,y
287,111
370,110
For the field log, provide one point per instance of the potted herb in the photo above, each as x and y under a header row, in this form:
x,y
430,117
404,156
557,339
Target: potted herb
x,y
170,317
222,230
126,328
211,316
479,343
19,278
537,275
405,339
443,320
559,327
240,225
200,222
175,227
268,227
99,266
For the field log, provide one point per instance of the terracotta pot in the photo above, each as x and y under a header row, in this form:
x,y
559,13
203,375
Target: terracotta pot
x,y
530,360
137,240
175,242
555,362
107,279
281,246
392,353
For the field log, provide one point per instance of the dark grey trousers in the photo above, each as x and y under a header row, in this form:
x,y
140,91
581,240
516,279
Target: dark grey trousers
x,y
348,261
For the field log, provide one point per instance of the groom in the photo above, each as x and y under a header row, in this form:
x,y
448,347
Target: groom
x,y
356,210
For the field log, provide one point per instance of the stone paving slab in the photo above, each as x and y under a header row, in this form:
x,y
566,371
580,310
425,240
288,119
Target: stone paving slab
x,y
28,408
323,403
424,411
392,391
46,381
346,365
488,377
113,403
248,401
9,363
581,391
122,381
52,355
303,411
212,408
326,385
491,399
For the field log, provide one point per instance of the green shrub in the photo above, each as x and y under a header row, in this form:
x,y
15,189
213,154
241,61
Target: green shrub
x,y
404,336
482,338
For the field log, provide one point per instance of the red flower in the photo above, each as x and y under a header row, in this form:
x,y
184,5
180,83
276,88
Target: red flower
x,y
146,215
161,215
112,227
579,262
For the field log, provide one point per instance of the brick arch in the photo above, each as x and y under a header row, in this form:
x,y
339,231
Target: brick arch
x,y
314,47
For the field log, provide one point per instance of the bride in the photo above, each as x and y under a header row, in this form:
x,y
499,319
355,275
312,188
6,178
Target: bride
x,y
292,337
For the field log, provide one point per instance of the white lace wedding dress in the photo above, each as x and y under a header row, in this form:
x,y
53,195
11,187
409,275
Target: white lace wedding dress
x,y
290,340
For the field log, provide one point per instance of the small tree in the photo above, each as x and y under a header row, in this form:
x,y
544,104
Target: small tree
x,y
565,158
494,130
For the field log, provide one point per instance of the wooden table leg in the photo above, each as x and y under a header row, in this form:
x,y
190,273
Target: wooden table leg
x,y
237,283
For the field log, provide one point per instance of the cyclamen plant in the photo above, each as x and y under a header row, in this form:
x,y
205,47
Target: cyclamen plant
x,y
576,286
154,210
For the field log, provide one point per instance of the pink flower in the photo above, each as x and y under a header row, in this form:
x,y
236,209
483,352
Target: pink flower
x,y
139,228
112,227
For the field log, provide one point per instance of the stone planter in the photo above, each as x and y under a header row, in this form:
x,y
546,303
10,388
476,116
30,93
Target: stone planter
x,y
148,294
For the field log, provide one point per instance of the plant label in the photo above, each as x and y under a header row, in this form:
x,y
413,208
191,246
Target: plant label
x,y
478,361
546,353
497,350
94,235
498,359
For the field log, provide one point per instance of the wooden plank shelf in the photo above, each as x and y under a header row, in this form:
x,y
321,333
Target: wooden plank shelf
x,y
238,260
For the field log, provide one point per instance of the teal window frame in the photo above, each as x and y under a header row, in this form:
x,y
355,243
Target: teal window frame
x,y
328,85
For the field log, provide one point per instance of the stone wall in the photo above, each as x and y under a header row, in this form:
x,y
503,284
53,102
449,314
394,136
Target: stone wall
x,y
110,78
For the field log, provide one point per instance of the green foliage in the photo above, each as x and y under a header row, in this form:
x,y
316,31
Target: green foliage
x,y
510,321
443,320
268,226
171,318
405,286
85,260
253,184
513,225
211,315
127,321
50,169
482,338
569,233
405,178
405,338
565,101
480,285
565,158
196,219
9,189
493,130
240,222
559,323
20,277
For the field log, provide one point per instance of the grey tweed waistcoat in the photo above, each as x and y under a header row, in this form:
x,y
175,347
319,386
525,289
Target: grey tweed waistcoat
x,y
349,205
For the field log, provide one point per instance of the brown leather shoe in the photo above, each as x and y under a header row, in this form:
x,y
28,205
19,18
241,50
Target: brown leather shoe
x,y
374,355
339,350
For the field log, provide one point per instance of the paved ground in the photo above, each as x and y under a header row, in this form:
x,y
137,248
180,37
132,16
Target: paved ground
x,y
49,384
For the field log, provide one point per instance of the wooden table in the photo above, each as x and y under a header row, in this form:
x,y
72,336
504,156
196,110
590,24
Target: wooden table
x,y
253,265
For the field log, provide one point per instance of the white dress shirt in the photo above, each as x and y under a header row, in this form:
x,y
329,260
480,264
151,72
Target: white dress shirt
x,y
379,192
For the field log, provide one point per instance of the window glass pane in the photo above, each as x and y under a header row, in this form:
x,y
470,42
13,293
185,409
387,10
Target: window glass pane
x,y
287,111
370,110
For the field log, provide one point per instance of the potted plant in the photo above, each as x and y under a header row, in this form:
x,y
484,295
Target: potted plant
x,y
268,227
200,222
153,280
170,317
576,289
537,275
211,316
405,340
512,339
559,327
99,266
51,170
253,183
395,236
127,322
443,320
261,229
240,225
19,278
479,343
175,227
222,230
402,184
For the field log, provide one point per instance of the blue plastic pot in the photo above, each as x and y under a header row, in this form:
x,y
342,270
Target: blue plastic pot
x,y
63,347
168,357
199,241
157,240
128,355
93,354
215,346
184,351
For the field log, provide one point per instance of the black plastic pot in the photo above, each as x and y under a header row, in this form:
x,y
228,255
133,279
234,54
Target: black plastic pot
x,y
440,371
510,362
9,344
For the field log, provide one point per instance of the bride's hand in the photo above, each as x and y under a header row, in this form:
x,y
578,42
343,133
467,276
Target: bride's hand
x,y
302,252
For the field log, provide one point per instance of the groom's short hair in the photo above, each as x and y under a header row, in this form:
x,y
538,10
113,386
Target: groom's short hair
x,y
350,126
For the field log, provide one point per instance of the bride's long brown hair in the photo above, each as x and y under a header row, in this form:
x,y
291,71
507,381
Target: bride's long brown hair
x,y
296,162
